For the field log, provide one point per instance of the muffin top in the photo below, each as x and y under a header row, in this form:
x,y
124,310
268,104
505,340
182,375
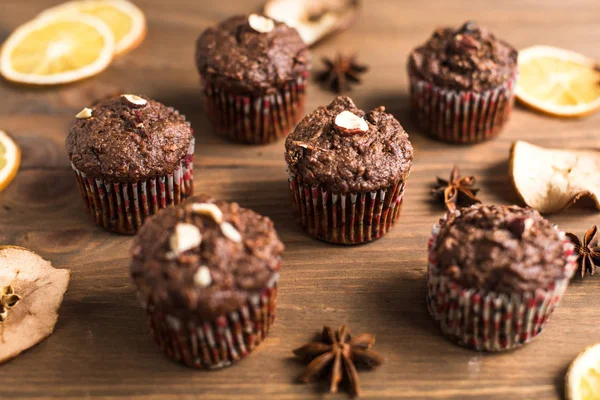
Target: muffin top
x,y
205,256
468,58
347,150
127,139
501,249
238,57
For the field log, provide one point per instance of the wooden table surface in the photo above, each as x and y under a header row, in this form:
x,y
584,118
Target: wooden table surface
x,y
101,347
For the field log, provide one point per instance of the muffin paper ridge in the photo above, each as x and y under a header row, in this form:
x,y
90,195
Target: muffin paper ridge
x,y
123,207
461,116
485,320
256,119
220,342
347,218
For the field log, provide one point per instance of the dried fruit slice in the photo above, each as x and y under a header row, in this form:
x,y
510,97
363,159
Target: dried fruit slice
x,y
583,377
551,180
41,288
314,19
558,82
10,159
126,21
52,50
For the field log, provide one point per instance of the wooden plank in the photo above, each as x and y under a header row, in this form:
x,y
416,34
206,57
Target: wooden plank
x,y
102,348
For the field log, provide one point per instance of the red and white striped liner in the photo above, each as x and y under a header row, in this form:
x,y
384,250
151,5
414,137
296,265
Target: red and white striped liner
x,y
349,218
256,119
490,321
218,343
123,207
461,116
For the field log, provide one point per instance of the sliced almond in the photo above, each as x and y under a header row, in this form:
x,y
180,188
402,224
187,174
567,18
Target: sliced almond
x,y
134,101
85,113
209,209
551,180
202,277
351,124
314,20
231,233
260,23
41,288
185,237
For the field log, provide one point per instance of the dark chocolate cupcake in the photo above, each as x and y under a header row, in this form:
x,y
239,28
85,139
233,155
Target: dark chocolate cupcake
x,y
495,275
132,156
347,172
254,71
462,83
207,274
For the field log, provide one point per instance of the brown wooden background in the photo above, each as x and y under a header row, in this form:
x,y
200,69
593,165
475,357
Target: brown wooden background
x,y
101,346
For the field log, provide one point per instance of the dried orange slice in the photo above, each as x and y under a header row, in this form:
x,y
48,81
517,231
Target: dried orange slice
x,y
558,82
583,377
53,50
126,21
10,159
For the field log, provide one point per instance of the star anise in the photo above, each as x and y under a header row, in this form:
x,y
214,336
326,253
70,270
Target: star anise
x,y
588,251
341,72
339,353
457,190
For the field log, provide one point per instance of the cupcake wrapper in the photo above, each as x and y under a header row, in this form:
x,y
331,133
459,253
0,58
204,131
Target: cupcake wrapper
x,y
256,119
461,116
123,207
349,218
217,343
490,321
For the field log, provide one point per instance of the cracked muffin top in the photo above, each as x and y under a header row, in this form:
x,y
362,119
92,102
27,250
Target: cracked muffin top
x,y
128,138
466,58
205,256
505,249
367,152
237,57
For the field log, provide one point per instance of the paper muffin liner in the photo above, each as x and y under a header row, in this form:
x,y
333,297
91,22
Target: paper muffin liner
x,y
256,119
485,320
461,116
348,218
220,342
123,207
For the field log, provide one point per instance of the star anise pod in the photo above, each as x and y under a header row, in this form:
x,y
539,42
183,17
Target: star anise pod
x,y
341,72
339,353
588,251
457,190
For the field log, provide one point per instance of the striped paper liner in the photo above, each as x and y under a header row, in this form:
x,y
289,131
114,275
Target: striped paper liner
x,y
256,119
350,218
123,207
217,343
461,116
485,320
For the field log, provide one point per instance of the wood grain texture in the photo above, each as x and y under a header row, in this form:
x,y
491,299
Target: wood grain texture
x,y
102,348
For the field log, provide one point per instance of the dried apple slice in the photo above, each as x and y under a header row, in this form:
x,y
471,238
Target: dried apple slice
x,y
551,180
314,19
40,289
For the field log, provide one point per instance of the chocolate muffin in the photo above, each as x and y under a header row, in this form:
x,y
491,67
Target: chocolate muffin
x,y
207,274
495,275
132,156
462,83
254,71
347,172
